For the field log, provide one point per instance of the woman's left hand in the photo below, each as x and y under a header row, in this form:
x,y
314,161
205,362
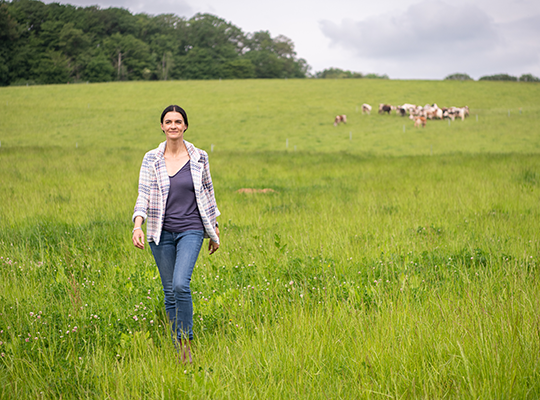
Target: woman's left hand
x,y
213,246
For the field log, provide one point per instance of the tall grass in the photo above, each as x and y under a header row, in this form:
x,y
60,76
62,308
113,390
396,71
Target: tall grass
x,y
367,273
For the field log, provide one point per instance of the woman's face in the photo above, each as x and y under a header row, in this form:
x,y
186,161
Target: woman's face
x,y
173,125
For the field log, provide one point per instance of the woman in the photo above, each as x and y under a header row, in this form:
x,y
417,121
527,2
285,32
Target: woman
x,y
176,199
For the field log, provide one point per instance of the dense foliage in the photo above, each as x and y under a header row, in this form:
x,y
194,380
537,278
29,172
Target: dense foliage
x,y
336,73
55,43
506,77
528,78
498,77
458,77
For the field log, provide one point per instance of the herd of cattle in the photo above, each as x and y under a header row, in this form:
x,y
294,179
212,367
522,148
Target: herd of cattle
x,y
416,113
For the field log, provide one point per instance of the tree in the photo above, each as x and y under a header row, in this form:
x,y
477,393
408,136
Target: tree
x,y
336,73
528,78
458,77
8,35
239,69
167,64
210,32
99,69
267,64
30,14
53,43
74,44
198,63
273,58
498,77
372,75
129,55
53,68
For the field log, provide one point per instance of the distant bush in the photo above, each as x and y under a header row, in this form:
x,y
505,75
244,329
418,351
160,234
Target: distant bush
x,y
376,76
458,77
337,73
499,77
528,78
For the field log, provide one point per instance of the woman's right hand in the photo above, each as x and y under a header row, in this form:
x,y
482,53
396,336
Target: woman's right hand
x,y
138,238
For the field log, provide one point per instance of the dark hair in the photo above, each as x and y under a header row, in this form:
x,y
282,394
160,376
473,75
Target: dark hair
x,y
177,109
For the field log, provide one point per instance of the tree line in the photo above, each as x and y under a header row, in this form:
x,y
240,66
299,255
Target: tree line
x,y
55,43
496,77
337,73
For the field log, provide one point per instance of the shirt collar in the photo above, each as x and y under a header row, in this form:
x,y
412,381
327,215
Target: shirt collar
x,y
192,150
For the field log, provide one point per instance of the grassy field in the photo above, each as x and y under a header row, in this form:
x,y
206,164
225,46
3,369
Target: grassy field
x,y
390,262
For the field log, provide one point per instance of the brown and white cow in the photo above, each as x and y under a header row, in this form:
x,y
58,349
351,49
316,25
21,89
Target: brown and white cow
x,y
340,118
419,121
366,108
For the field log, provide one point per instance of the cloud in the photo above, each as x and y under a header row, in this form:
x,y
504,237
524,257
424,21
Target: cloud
x,y
425,28
432,39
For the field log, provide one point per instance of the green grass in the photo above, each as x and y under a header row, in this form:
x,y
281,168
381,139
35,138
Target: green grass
x,y
256,115
393,265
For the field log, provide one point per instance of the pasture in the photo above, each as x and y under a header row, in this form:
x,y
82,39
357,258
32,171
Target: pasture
x,y
390,262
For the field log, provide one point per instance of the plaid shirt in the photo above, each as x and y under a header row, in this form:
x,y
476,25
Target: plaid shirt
x,y
154,186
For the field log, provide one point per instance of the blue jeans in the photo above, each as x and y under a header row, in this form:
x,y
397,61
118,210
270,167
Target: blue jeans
x,y
175,257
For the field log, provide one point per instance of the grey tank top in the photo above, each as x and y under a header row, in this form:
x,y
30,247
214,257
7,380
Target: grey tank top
x,y
181,212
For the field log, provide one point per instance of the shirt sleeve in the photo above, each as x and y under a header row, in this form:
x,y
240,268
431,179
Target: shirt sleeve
x,y
209,189
143,199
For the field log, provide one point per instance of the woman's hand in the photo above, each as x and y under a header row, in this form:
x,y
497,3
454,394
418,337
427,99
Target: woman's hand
x,y
213,246
138,238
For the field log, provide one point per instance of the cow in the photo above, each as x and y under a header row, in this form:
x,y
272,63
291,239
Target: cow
x,y
385,108
454,112
417,112
409,107
434,113
366,108
340,118
419,121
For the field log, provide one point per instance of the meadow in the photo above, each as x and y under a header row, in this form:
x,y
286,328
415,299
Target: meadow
x,y
389,262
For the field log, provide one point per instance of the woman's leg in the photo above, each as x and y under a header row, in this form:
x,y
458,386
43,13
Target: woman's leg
x,y
188,246
165,257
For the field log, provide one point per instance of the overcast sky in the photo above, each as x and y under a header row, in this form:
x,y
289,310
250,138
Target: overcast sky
x,y
406,39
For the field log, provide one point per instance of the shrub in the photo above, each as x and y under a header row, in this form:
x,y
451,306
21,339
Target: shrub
x,y
458,77
528,78
337,73
376,76
499,77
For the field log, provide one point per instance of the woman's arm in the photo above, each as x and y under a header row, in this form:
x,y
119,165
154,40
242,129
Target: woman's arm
x,y
137,233
141,205
213,211
213,246
143,198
